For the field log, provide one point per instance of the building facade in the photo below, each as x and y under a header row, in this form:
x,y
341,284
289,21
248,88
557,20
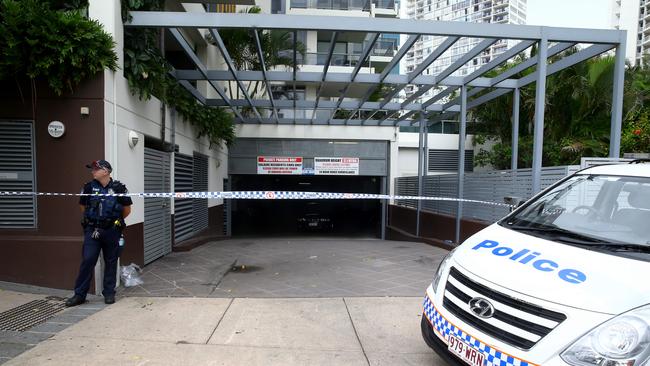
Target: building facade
x,y
477,11
634,17
150,148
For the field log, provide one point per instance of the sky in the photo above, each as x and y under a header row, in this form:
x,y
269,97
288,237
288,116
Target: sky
x,y
569,13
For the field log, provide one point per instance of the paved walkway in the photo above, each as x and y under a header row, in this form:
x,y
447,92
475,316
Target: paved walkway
x,y
13,343
204,331
248,302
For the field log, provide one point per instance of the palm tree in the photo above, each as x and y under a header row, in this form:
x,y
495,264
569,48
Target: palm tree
x,y
277,49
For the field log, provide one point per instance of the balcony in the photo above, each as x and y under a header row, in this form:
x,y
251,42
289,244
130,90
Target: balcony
x,y
361,5
381,54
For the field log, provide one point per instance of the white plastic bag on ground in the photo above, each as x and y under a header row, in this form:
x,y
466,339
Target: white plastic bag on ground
x,y
130,275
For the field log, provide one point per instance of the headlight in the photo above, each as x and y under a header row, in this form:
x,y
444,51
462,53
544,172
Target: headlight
x,y
441,268
622,341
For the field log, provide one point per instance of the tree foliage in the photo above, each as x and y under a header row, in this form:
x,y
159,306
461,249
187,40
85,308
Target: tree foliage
x,y
147,72
52,41
577,115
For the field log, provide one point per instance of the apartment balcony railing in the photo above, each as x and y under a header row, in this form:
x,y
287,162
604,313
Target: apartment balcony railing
x,y
342,59
363,5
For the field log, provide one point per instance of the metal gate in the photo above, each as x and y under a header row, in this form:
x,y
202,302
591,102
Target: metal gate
x,y
183,207
157,214
200,184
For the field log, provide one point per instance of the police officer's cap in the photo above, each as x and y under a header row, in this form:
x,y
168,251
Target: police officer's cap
x,y
100,164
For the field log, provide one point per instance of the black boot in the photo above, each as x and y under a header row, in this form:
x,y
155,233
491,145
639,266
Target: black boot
x,y
74,301
109,299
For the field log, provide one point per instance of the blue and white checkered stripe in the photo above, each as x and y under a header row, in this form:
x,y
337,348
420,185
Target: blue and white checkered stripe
x,y
493,357
279,195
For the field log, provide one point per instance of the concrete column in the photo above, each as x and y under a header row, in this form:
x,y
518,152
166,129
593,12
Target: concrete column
x,y
461,158
540,100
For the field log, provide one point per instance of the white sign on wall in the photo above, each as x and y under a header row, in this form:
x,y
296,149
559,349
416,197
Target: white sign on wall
x,y
56,129
336,166
279,165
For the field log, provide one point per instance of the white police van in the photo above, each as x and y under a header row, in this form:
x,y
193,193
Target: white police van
x,y
562,280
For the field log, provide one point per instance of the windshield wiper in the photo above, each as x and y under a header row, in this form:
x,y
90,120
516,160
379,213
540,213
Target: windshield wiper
x,y
560,234
571,237
637,248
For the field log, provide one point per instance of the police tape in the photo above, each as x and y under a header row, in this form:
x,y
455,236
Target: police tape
x,y
267,195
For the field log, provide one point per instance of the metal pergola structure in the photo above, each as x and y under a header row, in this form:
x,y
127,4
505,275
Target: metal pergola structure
x,y
472,90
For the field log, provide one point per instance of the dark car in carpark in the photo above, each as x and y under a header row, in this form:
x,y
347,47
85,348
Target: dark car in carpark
x,y
314,221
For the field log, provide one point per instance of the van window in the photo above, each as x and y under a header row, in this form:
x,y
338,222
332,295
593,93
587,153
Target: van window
x,y
590,209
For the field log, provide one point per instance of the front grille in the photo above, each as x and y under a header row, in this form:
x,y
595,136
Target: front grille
x,y
515,322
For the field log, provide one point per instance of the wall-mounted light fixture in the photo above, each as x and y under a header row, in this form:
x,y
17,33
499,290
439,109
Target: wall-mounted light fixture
x,y
133,139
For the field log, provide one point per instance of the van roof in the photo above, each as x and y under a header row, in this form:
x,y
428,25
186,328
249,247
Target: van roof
x,y
641,169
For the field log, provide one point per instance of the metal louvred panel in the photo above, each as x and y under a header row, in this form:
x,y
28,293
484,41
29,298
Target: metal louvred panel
x,y
447,160
183,207
157,220
17,174
200,184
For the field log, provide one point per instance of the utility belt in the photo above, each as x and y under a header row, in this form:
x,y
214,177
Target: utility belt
x,y
102,224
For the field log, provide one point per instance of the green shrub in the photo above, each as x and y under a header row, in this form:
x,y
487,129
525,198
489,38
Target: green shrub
x,y
62,47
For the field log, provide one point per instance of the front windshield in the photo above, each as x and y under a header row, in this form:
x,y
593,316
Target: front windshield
x,y
596,208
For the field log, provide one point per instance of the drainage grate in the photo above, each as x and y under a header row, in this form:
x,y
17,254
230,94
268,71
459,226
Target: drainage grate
x,y
30,314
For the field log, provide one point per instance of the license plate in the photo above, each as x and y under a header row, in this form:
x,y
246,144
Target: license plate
x,y
467,353
313,224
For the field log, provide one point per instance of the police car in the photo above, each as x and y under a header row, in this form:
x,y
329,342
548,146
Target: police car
x,y
562,280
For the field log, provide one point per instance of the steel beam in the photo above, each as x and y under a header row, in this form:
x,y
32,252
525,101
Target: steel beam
x,y
502,58
396,59
558,48
566,62
362,59
475,51
195,59
338,77
266,80
231,66
444,46
326,67
157,19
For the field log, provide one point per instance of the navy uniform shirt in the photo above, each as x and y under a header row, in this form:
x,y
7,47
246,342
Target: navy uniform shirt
x,y
113,185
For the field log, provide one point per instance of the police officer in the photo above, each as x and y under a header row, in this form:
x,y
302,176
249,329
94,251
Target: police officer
x,y
103,222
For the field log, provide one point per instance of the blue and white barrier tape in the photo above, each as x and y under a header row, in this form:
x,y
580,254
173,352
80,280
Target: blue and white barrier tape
x,y
268,195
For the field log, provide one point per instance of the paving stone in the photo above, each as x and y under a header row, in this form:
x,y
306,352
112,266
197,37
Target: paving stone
x,y
49,327
10,350
22,337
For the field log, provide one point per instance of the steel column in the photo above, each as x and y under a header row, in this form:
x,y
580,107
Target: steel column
x,y
461,158
540,102
617,101
420,180
516,96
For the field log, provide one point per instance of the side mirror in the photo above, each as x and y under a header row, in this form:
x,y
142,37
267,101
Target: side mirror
x,y
513,201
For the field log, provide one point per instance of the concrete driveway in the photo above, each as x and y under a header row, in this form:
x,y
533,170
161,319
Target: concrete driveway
x,y
261,302
293,267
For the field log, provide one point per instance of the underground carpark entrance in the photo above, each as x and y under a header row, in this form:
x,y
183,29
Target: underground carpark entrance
x,y
307,165
454,93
